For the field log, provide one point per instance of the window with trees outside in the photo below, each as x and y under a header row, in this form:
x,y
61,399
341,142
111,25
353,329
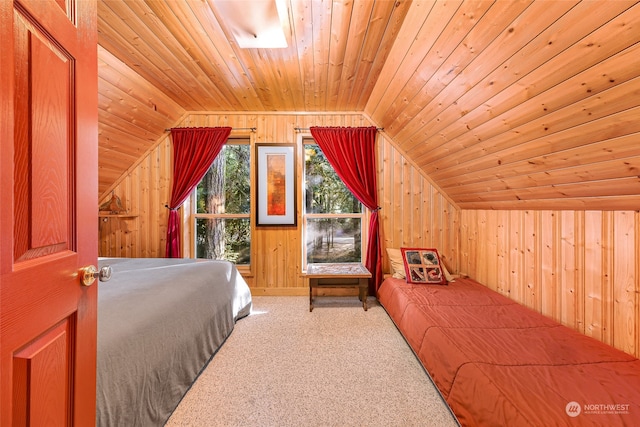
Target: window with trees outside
x,y
332,220
222,206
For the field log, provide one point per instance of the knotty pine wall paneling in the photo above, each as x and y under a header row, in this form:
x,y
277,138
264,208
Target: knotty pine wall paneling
x,y
413,212
144,191
580,268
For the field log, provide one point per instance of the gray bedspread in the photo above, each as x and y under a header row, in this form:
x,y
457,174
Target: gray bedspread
x,y
159,323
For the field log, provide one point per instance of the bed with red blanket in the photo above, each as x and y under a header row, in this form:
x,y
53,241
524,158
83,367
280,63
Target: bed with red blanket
x,y
496,362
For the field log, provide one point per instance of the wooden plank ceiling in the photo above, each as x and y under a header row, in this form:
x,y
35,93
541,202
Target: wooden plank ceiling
x,y
503,105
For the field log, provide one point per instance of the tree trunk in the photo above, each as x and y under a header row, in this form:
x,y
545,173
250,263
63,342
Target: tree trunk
x,y
213,182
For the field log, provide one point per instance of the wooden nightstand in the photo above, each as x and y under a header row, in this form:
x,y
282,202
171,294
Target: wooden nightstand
x,y
339,276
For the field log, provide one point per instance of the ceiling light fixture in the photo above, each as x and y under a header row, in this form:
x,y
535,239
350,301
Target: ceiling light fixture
x,y
255,23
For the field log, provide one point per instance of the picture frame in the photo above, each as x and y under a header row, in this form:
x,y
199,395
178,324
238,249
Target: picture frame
x,y
276,184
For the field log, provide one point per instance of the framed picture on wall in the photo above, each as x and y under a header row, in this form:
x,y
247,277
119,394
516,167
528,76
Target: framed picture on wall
x,y
276,184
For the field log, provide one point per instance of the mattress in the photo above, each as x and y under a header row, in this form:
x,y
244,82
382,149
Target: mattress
x,y
496,362
159,323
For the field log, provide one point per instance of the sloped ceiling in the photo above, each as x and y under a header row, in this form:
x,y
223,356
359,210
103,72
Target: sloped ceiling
x,y
503,105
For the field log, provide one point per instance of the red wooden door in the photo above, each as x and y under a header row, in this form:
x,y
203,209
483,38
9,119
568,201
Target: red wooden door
x,y
48,207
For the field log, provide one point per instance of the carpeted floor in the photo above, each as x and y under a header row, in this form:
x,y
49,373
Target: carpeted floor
x,y
335,366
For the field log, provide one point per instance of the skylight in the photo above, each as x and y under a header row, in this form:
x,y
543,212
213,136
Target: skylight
x,y
255,23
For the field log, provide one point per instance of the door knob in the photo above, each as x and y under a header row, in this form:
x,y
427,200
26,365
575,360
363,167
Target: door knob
x,y
89,274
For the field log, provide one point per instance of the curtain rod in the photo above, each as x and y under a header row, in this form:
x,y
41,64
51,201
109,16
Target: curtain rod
x,y
306,129
250,129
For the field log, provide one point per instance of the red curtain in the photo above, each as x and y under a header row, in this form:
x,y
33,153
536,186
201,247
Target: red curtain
x,y
351,152
194,149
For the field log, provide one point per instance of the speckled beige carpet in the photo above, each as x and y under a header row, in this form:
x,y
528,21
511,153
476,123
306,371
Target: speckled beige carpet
x,y
335,366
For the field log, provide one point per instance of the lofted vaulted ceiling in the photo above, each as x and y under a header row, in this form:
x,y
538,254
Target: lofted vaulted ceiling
x,y
505,104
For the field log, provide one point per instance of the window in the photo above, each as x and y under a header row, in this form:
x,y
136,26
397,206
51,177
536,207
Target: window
x,y
332,220
223,205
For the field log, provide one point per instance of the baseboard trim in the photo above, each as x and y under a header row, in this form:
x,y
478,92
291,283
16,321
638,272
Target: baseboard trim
x,y
282,292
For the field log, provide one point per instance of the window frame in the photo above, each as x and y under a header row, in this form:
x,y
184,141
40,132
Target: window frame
x,y
362,215
245,269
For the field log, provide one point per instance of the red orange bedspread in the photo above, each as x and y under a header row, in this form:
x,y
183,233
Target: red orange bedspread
x,y
498,363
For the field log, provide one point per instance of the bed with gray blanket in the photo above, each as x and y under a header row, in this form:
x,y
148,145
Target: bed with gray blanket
x,y
159,323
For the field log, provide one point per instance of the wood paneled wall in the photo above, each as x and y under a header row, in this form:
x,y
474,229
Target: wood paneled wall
x,y
413,212
144,192
581,268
